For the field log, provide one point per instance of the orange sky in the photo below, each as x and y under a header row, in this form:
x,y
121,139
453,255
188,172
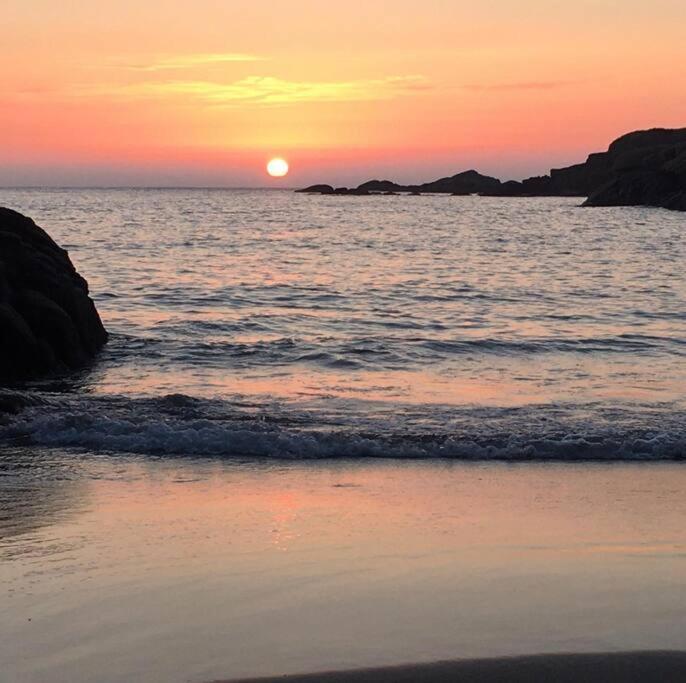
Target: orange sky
x,y
175,92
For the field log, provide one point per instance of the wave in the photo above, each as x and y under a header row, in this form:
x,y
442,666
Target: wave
x,y
369,352
182,425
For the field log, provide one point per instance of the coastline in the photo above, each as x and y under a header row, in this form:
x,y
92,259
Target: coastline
x,y
618,667
641,168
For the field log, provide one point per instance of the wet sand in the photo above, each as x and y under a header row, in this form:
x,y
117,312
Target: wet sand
x,y
620,667
172,570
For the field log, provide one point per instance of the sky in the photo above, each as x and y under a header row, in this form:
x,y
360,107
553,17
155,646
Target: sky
x,y
178,93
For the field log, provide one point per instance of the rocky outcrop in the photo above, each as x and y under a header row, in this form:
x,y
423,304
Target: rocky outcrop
x,y
581,179
48,323
380,186
317,189
646,168
356,191
574,181
642,168
465,183
468,182
329,189
461,184
642,188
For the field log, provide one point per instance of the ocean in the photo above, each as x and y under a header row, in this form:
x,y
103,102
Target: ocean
x,y
274,324
336,432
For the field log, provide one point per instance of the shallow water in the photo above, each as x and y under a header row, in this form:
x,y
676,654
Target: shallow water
x,y
174,570
275,324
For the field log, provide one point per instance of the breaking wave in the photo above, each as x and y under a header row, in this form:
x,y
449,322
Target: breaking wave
x,y
181,425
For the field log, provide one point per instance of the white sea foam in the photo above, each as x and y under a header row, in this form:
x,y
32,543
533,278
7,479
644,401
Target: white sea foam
x,y
181,425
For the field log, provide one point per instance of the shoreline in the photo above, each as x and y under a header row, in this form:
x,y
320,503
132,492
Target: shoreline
x,y
619,667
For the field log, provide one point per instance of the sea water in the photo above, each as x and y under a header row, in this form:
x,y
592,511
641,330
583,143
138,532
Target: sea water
x,y
275,324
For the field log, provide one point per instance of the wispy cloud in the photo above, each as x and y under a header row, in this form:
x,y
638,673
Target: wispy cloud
x,y
527,85
267,90
190,61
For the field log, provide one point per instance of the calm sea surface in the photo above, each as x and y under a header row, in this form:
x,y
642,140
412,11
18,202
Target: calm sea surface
x,y
209,499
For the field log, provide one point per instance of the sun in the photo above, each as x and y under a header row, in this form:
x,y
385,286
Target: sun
x,y
277,168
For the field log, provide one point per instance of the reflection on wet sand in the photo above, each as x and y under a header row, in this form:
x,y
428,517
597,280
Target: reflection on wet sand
x,y
207,569
36,490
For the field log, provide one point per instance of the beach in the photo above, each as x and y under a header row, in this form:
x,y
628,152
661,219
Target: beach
x,y
195,569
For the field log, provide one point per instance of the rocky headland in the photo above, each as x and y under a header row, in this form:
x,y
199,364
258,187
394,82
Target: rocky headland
x,y
643,168
646,168
48,323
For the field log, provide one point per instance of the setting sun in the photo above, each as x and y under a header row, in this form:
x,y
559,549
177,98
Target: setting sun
x,y
277,168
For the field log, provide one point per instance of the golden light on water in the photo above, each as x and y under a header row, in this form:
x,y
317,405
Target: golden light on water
x,y
277,168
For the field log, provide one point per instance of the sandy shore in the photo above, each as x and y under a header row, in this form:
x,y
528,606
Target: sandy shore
x,y
623,667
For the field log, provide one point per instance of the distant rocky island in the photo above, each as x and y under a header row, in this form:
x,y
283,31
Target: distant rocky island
x,y
643,168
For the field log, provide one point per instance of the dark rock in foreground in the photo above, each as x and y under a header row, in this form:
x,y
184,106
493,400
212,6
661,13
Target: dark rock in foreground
x,y
48,323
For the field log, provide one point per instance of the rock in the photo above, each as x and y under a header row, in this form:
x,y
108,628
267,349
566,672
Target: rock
x,y
677,164
677,202
380,186
581,179
646,168
468,182
329,189
653,137
318,189
48,323
13,402
640,188
354,191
